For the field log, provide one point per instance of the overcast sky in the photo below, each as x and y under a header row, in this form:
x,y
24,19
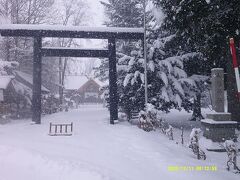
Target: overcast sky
x,y
97,12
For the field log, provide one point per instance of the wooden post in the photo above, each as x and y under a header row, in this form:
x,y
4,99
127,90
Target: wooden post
x,y
113,80
182,141
235,160
171,134
50,128
56,128
61,128
36,91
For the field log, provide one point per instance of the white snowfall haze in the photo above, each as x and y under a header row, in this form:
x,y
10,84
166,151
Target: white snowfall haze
x,y
130,79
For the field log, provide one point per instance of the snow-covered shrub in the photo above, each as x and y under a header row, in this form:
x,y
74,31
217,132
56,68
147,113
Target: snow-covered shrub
x,y
50,104
152,113
122,116
145,122
194,143
195,135
232,152
6,67
150,119
4,118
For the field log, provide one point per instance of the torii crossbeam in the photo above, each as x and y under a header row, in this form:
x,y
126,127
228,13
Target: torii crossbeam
x,y
37,32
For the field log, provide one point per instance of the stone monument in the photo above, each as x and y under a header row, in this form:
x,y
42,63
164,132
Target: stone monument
x,y
218,125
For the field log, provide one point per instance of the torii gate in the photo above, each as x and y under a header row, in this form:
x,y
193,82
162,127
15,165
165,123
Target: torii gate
x,y
37,32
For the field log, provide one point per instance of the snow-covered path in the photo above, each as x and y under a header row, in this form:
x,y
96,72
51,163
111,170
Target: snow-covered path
x,y
96,151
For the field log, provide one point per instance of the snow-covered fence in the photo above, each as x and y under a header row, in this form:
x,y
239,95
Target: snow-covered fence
x,y
60,129
149,120
194,144
232,151
169,132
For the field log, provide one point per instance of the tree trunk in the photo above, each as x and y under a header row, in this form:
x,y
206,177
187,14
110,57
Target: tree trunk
x,y
197,113
60,84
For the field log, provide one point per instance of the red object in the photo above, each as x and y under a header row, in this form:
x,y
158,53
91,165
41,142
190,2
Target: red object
x,y
233,52
235,65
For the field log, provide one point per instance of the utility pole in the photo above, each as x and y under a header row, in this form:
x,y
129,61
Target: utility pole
x,y
145,54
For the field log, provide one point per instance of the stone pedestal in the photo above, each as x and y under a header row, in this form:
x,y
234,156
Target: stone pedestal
x,y
219,116
218,125
218,131
217,89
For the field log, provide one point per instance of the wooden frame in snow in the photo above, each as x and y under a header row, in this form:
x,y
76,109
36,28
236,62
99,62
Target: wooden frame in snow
x,y
60,129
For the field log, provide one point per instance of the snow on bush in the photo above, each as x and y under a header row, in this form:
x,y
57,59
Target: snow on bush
x,y
194,144
230,145
6,65
122,116
150,119
232,152
195,133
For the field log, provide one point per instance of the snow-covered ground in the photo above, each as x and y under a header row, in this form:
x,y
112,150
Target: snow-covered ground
x,y
97,151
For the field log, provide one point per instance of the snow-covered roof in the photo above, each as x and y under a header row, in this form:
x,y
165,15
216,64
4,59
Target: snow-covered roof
x,y
210,121
77,48
23,89
4,81
75,82
70,28
196,77
100,83
29,79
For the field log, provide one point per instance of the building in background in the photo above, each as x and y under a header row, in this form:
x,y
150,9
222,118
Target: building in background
x,y
4,85
16,94
83,89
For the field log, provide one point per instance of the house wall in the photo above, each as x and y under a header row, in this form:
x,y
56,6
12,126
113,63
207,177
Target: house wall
x,y
90,93
5,104
16,103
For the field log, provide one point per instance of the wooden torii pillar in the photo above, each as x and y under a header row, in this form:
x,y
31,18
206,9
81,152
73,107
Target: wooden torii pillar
x,y
37,80
37,32
113,95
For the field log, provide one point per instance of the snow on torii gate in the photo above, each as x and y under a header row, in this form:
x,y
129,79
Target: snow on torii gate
x,y
37,32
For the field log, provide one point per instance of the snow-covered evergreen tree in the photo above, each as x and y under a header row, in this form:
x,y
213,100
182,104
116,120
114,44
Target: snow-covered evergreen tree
x,y
184,41
124,13
127,13
204,25
168,85
131,82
